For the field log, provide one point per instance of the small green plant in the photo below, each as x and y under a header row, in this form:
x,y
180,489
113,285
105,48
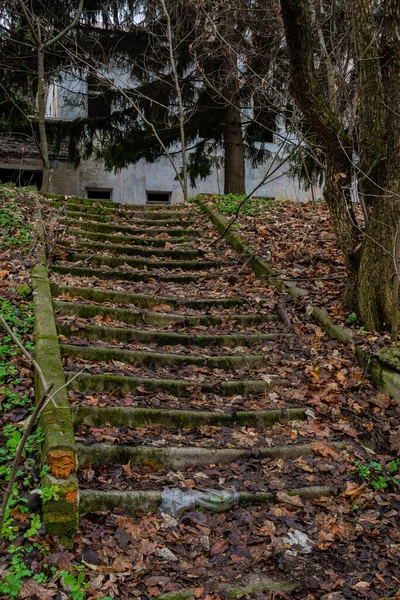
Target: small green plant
x,y
379,477
228,204
351,319
50,493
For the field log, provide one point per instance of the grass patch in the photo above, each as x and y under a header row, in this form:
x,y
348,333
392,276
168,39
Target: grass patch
x,y
228,204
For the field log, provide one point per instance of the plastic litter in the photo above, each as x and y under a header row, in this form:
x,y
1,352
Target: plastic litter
x,y
176,501
298,541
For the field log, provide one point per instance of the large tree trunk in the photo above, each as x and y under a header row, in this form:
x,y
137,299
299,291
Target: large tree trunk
x,y
377,261
234,182
371,107
309,95
42,123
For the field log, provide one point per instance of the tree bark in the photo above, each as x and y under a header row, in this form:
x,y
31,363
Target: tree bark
x,y
371,119
234,182
42,123
377,261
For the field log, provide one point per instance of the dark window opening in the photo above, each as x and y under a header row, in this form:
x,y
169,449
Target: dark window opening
x,y
99,105
158,198
99,194
21,178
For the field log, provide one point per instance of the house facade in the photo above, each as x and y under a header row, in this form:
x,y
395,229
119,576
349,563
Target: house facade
x,y
139,183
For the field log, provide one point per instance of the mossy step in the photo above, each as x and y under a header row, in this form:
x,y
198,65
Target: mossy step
x,y
118,416
127,239
149,501
124,335
132,317
115,261
142,358
117,210
186,456
60,199
83,382
122,275
129,229
132,250
109,203
142,300
258,584
183,223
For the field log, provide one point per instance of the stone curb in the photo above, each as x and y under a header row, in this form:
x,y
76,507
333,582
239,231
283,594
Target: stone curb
x,y
58,449
387,380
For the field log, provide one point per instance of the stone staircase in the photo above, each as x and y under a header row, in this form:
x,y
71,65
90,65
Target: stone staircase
x,y
177,361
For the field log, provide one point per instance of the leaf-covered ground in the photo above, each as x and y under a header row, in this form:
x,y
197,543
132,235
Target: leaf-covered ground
x,y
352,536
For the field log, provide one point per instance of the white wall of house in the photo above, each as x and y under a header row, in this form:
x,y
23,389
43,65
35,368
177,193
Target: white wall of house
x,y
68,100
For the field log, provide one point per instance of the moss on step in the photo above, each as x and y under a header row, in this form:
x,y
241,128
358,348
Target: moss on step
x,y
58,448
98,501
64,199
130,230
386,378
245,591
177,387
143,221
92,201
125,335
113,275
142,358
115,261
118,239
132,250
149,501
141,300
118,416
183,457
61,513
88,311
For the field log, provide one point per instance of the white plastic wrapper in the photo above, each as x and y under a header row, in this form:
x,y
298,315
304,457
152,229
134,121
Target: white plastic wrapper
x,y
176,501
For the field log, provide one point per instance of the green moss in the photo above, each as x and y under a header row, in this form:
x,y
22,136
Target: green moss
x,y
108,334
119,383
155,359
140,300
140,417
111,261
109,228
132,250
121,275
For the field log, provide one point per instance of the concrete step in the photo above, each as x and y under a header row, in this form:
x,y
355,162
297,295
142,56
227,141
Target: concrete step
x,y
140,263
121,250
132,317
84,382
99,227
119,416
144,301
114,275
126,335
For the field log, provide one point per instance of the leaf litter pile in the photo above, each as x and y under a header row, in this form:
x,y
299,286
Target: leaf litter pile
x,y
342,545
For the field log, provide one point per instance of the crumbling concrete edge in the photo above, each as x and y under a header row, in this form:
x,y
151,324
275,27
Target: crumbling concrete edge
x,y
59,454
387,380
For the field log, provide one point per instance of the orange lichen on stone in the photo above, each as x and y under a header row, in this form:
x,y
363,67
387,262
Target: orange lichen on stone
x,y
71,496
62,463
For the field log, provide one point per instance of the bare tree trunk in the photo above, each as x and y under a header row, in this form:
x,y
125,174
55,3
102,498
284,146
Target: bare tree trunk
x,y
42,123
234,182
375,293
330,73
371,124
180,101
309,95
